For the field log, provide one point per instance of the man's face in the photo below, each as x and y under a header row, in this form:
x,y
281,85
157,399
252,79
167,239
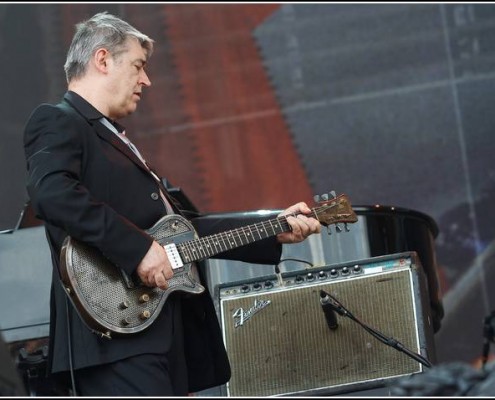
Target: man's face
x,y
127,79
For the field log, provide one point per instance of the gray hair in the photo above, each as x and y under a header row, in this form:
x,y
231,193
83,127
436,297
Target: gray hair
x,y
102,30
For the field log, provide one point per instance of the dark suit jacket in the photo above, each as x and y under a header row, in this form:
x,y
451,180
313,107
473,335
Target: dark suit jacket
x,y
83,181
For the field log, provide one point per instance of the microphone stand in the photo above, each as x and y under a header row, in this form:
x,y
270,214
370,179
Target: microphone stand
x,y
389,341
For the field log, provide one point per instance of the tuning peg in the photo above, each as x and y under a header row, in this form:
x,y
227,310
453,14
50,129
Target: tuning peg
x,y
333,194
329,230
316,198
324,197
346,227
338,228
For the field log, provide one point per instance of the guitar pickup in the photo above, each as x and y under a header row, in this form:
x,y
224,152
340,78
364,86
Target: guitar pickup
x,y
173,255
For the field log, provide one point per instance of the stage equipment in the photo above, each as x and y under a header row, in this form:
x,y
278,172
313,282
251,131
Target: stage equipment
x,y
280,342
380,230
26,271
10,380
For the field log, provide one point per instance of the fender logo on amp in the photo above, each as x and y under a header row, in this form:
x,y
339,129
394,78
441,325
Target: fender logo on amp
x,y
240,316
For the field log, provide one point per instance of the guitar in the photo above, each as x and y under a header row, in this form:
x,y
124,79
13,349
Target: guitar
x,y
110,302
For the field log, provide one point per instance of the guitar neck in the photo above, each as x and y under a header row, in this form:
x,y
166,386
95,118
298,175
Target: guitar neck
x,y
328,212
209,246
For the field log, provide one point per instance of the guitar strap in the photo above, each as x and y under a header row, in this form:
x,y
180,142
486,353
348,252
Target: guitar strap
x,y
173,202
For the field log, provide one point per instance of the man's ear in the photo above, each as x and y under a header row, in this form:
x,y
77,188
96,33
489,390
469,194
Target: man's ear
x,y
100,59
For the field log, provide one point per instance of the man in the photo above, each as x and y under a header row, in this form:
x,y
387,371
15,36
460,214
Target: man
x,y
86,182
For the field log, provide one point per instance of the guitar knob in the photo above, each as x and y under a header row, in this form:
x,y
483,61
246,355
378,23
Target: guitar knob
x,y
145,314
126,321
144,298
125,304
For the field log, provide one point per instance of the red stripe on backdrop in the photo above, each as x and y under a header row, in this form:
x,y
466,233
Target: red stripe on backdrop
x,y
243,149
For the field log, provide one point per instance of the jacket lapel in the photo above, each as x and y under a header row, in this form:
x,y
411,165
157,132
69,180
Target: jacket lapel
x,y
92,115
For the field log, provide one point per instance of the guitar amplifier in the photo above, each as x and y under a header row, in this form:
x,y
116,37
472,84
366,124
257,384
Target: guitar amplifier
x,y
279,343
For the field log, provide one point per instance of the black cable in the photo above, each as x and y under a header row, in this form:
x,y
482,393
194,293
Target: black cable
x,y
389,341
277,269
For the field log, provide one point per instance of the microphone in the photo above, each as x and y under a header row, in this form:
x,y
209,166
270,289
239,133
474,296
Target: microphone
x,y
328,310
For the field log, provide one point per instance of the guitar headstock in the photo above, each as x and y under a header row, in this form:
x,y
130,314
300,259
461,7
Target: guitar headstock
x,y
334,210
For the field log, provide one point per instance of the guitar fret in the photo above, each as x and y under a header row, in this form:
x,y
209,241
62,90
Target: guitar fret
x,y
187,251
283,224
231,239
196,248
216,243
183,251
192,249
247,235
225,244
201,247
251,227
238,231
271,226
261,231
208,247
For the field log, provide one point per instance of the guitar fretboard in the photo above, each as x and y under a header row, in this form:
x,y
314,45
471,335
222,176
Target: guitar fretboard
x,y
208,246
334,211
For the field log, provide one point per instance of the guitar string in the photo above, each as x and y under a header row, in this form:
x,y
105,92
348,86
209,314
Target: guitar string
x,y
281,224
202,244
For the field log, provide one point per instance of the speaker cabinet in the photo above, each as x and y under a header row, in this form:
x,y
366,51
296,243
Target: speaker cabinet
x,y
279,342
